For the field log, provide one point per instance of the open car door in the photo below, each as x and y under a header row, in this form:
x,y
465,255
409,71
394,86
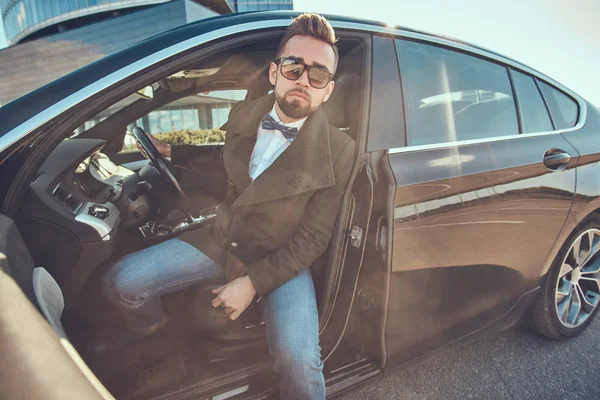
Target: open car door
x,y
36,363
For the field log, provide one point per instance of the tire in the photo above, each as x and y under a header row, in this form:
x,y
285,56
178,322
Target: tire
x,y
570,296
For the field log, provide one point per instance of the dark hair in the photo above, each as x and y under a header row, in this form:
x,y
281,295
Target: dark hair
x,y
313,25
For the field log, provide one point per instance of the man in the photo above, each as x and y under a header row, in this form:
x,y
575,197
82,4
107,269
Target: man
x,y
288,169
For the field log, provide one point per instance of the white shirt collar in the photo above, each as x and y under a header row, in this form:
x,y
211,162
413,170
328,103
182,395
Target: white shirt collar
x,y
297,124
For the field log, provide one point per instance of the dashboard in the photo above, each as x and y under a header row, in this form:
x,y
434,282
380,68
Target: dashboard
x,y
76,205
72,187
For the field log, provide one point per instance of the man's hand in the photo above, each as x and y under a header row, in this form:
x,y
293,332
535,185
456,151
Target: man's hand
x,y
162,147
235,296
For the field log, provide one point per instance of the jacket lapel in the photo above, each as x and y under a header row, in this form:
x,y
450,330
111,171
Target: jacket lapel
x,y
237,159
242,128
306,165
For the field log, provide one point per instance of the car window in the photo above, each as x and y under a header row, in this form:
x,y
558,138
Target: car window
x,y
101,116
534,115
189,120
450,96
564,110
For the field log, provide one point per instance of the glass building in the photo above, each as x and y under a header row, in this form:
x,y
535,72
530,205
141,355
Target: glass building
x,y
25,18
263,5
32,18
50,38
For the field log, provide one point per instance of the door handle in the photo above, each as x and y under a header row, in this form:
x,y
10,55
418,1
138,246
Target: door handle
x,y
556,160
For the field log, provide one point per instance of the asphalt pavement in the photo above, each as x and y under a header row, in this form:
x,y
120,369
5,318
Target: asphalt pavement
x,y
514,364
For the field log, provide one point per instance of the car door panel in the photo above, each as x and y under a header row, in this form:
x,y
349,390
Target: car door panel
x,y
354,240
587,142
27,339
472,227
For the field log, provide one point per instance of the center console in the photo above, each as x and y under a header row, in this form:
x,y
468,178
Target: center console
x,y
173,227
104,218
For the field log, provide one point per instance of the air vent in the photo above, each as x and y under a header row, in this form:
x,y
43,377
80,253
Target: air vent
x,y
66,199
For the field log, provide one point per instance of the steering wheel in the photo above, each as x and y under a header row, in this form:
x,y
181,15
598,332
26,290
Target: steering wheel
x,y
161,165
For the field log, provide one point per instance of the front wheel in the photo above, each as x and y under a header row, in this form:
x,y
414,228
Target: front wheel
x,y
570,295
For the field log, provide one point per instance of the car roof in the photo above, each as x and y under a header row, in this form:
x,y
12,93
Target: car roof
x,y
28,107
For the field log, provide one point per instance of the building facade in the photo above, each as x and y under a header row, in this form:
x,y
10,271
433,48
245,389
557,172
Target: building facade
x,y
263,5
50,38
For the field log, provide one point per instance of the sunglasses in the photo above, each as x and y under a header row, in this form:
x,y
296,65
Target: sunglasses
x,y
292,69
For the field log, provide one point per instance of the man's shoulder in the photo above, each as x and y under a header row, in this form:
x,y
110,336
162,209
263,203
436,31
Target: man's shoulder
x,y
240,108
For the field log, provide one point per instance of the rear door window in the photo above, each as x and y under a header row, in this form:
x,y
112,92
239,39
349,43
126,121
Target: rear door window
x,y
534,115
450,96
563,109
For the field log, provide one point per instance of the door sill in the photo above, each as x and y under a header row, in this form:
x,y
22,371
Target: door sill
x,y
349,376
244,383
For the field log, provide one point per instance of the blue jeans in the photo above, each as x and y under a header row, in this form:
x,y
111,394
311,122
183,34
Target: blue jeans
x,y
136,282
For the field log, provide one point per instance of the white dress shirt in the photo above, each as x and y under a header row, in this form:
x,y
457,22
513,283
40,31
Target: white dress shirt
x,y
269,145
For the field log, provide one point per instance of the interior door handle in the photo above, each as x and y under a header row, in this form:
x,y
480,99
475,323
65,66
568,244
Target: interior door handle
x,y
556,160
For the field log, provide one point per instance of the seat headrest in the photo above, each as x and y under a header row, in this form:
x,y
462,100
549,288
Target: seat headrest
x,y
345,86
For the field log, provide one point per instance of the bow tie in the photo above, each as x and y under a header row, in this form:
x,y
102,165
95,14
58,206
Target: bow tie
x,y
269,123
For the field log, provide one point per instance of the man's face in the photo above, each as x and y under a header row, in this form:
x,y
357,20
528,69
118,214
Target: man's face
x,y
297,99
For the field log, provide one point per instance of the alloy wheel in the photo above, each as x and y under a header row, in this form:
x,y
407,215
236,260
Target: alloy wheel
x,y
578,284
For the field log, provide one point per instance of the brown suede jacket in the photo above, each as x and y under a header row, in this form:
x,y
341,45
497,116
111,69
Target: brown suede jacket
x,y
276,226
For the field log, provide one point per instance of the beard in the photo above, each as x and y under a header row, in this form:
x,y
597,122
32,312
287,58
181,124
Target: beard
x,y
293,107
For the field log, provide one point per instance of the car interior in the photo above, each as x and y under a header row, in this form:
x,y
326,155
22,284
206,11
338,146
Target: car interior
x,y
93,202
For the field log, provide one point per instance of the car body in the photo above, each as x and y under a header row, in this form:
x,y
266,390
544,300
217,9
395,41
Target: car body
x,y
474,175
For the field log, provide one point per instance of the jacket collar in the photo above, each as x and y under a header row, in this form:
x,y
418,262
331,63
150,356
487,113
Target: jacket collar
x,y
306,165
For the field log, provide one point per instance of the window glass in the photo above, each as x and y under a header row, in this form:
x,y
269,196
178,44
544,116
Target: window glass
x,y
35,15
48,11
20,17
18,24
164,120
153,127
63,7
190,120
534,115
25,13
55,9
564,110
10,25
41,12
450,96
177,119
31,13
